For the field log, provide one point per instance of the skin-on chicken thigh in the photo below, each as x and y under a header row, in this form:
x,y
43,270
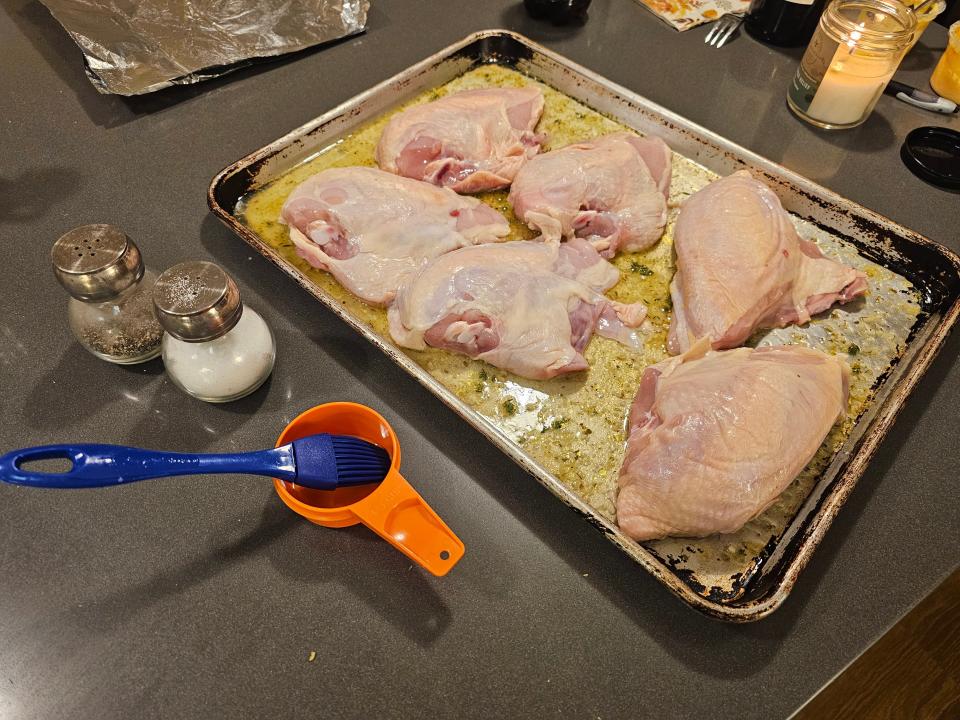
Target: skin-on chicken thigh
x,y
741,266
715,437
611,191
527,307
371,229
469,141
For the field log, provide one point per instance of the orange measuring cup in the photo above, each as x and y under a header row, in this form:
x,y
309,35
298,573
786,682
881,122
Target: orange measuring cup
x,y
391,508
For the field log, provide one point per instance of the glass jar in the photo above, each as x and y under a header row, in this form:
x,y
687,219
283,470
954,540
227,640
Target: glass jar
x,y
925,15
848,63
945,80
214,348
111,307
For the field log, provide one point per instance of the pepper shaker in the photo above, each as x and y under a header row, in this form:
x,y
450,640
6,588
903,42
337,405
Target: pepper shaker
x,y
214,348
110,309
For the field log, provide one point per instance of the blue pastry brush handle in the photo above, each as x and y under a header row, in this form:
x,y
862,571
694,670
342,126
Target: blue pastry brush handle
x,y
105,465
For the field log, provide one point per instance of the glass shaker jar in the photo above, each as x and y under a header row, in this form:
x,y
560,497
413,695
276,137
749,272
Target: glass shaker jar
x,y
111,308
214,348
848,63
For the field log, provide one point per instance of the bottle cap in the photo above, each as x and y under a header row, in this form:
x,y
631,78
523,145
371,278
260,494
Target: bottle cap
x,y
933,154
96,262
197,301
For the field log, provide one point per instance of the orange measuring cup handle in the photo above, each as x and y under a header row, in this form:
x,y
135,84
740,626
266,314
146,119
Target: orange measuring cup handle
x,y
398,514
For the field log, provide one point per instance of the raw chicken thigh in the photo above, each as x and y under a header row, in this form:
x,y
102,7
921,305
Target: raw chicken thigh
x,y
612,191
741,266
371,229
716,437
469,141
527,307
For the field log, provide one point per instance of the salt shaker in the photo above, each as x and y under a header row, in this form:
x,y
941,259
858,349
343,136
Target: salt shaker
x,y
214,348
111,308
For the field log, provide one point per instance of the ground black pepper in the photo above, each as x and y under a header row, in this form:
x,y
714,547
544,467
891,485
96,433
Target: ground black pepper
x,y
134,334
135,342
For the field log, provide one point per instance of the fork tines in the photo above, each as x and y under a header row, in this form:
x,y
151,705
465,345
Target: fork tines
x,y
723,29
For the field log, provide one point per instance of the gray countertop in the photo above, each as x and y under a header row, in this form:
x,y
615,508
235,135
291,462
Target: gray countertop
x,y
203,598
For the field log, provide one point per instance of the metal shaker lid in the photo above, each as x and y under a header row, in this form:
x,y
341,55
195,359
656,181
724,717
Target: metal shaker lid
x,y
96,262
197,301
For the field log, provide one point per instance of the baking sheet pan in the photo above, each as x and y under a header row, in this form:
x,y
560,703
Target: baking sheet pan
x,y
704,574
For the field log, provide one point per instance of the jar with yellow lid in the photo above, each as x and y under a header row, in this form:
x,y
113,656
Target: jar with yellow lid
x,y
945,80
851,58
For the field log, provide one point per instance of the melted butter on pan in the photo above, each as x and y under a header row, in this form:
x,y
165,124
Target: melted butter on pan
x,y
573,426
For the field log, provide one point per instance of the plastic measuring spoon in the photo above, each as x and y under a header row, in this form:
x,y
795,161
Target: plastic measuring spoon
x,y
391,508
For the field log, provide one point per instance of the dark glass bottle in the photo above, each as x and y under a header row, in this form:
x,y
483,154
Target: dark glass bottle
x,y
559,12
787,23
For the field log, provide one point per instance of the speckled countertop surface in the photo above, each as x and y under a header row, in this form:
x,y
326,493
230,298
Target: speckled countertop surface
x,y
203,598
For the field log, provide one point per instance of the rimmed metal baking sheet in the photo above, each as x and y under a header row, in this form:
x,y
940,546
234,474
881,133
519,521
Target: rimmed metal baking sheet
x,y
933,271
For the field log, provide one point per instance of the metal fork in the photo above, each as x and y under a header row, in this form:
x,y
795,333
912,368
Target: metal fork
x,y
723,29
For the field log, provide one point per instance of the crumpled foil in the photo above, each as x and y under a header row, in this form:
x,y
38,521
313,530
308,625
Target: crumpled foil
x,y
133,47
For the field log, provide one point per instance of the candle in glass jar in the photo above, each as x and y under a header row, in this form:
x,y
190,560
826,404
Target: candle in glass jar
x,y
850,87
848,63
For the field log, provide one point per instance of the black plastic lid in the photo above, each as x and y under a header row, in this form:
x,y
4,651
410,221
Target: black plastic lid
x,y
933,154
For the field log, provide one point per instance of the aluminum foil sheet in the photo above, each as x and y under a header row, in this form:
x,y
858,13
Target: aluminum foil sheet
x,y
133,47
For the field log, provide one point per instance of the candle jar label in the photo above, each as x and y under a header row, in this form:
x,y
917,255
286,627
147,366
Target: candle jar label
x,y
802,89
812,69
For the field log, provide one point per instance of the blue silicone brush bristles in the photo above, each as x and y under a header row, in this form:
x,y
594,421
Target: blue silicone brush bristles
x,y
325,461
359,461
